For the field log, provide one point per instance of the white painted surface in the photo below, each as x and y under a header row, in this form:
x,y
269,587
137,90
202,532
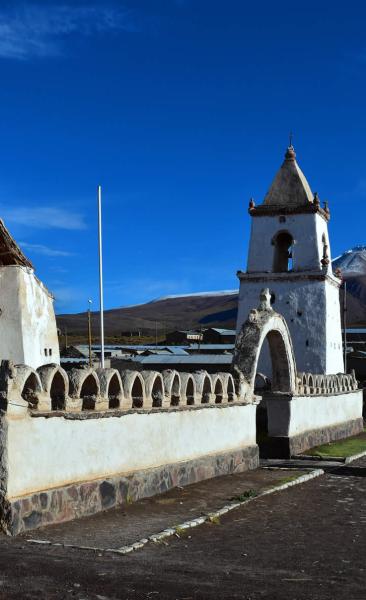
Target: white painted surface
x,y
310,306
306,230
306,413
45,453
312,312
27,319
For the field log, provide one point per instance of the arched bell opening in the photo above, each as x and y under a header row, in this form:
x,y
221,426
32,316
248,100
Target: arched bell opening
x,y
283,252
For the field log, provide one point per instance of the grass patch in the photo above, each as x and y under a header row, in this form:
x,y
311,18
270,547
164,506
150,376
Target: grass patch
x,y
214,519
341,448
244,496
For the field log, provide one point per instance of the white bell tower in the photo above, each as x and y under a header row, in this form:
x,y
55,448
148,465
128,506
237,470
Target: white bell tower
x,y
289,253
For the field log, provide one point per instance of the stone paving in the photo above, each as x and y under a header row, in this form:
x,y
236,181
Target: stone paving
x,y
305,543
122,526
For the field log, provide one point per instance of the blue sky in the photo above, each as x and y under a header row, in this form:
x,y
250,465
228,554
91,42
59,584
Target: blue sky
x,y
181,111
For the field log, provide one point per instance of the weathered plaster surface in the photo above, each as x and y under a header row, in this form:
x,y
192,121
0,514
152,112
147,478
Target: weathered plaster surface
x,y
307,230
27,320
61,451
312,312
290,416
263,324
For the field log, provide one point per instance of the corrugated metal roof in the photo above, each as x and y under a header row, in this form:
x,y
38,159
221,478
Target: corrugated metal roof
x,y
176,350
204,347
224,331
190,359
142,347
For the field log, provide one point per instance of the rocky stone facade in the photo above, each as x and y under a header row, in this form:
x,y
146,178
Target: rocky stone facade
x,y
81,499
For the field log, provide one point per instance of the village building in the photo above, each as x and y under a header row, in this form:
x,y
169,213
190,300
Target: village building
x,y
215,335
183,337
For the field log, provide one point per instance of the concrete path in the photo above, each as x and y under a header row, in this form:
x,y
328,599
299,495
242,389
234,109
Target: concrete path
x,y
305,543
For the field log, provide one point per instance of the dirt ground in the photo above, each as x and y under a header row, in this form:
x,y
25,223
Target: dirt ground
x,y
307,542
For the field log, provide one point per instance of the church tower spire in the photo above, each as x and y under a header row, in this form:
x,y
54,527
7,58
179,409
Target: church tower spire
x,y
289,252
290,191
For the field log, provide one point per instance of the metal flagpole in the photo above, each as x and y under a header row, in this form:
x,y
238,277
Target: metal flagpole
x,y
101,304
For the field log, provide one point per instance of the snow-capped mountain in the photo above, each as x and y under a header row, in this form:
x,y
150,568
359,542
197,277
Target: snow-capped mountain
x,y
351,262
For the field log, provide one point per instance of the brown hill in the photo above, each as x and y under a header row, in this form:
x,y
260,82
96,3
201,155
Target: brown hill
x,y
166,314
213,309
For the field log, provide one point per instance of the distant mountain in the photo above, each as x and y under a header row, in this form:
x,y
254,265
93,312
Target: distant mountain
x,y
352,265
214,309
211,309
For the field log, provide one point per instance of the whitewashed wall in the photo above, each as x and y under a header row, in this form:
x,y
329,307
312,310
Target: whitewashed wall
x,y
27,319
312,312
307,231
307,413
50,452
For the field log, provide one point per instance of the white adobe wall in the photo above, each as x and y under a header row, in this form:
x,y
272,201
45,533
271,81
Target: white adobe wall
x,y
335,357
27,319
307,413
312,312
45,453
307,231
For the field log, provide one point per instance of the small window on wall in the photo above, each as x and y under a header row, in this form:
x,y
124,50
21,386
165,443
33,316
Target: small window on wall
x,y
283,250
50,352
45,352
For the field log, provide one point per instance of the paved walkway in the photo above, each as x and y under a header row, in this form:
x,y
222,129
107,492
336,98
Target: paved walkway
x,y
123,526
305,543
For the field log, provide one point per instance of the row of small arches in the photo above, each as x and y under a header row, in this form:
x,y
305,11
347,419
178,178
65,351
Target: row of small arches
x,y
52,388
308,383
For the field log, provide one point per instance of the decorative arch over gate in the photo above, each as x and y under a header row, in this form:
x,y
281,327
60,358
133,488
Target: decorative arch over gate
x,y
264,323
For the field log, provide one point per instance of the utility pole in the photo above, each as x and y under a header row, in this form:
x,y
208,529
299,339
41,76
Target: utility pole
x,y
65,337
156,333
199,339
89,333
101,301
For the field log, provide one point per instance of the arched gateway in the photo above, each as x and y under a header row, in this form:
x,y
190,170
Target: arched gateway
x,y
263,323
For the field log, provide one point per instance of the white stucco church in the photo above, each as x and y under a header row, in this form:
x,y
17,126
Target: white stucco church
x,y
28,333
289,252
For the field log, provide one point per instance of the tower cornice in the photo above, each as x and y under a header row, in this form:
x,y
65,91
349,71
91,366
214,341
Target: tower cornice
x,y
265,277
273,210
